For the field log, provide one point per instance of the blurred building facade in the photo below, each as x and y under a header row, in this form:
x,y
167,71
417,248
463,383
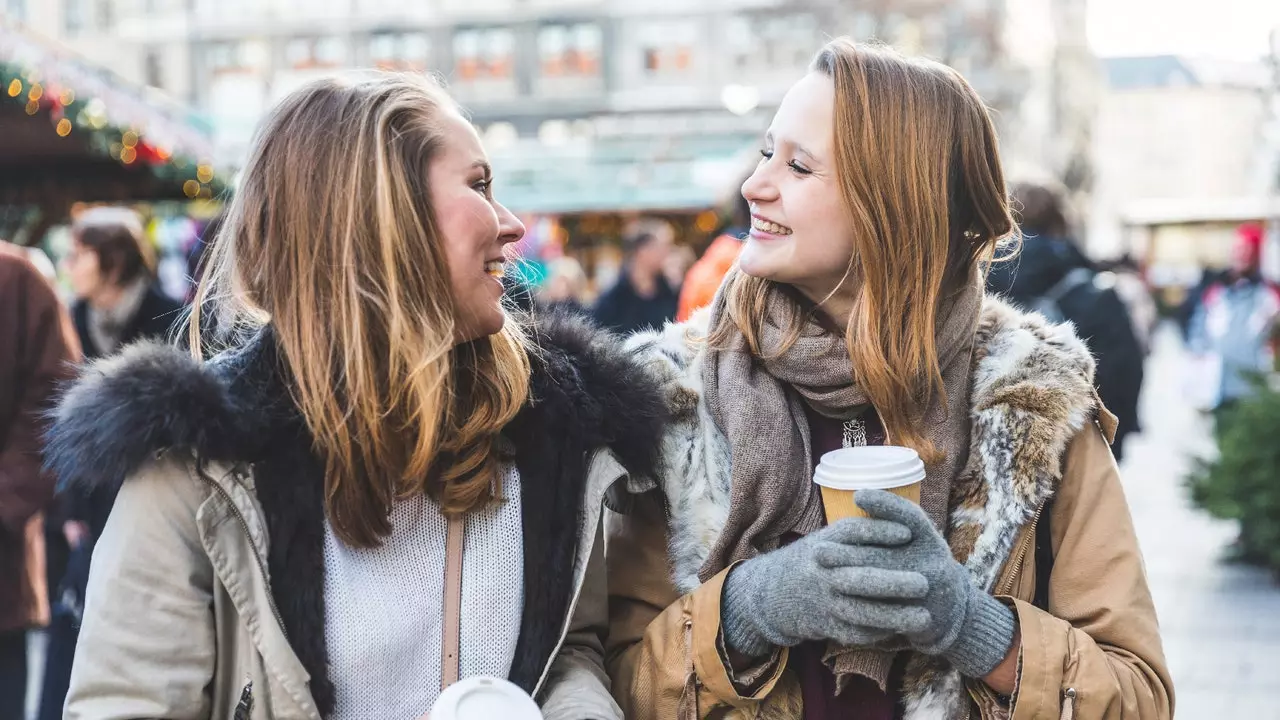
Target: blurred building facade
x,y
1179,137
594,104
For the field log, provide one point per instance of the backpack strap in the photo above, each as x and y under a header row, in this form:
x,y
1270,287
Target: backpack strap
x,y
1072,280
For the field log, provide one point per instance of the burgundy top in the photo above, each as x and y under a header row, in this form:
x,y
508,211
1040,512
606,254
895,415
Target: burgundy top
x,y
862,698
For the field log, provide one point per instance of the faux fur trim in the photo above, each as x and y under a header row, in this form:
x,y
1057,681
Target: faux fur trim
x,y
586,394
1032,391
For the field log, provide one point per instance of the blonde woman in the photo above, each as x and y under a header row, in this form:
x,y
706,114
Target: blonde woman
x,y
279,545
1015,588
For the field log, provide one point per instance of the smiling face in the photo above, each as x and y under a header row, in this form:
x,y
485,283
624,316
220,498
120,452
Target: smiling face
x,y
801,233
473,226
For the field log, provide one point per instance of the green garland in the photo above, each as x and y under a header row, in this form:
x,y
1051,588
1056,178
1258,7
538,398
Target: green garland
x,y
70,113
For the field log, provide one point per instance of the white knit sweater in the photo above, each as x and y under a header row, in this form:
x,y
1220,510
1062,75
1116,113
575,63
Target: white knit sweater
x,y
383,606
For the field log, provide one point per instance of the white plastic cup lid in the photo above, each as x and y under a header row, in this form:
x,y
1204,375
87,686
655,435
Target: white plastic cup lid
x,y
876,467
484,698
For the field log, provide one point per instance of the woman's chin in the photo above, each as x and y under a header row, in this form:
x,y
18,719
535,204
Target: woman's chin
x,y
491,323
756,267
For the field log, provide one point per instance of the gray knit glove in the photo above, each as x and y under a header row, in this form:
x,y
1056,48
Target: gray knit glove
x,y
966,626
806,591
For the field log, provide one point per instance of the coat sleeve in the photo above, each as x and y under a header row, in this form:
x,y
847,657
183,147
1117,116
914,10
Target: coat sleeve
x,y
38,356
147,644
1097,648
578,688
665,654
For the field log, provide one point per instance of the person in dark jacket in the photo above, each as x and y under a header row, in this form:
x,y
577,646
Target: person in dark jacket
x,y
642,298
111,268
1051,275
37,348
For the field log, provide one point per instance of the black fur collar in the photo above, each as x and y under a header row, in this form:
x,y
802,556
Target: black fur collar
x,y
587,393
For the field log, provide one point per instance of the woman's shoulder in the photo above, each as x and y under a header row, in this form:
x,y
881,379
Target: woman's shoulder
x,y
586,384
674,352
124,412
1022,359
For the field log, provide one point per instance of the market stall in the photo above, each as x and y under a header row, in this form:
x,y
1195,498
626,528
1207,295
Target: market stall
x,y
72,132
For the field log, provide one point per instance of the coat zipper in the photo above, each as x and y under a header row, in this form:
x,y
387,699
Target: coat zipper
x,y
688,703
1022,551
244,525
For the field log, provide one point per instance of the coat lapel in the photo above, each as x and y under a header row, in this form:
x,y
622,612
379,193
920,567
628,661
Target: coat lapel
x,y
1032,392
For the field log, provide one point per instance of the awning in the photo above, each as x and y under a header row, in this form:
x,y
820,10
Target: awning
x,y
607,175
72,131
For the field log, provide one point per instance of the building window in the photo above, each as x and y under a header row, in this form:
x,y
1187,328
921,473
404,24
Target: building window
x,y
570,50
483,54
310,53
764,42
106,18
666,48
17,9
151,68
330,52
400,51
73,15
226,57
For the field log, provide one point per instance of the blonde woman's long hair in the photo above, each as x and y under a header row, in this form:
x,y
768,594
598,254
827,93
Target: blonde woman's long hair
x,y
920,175
332,241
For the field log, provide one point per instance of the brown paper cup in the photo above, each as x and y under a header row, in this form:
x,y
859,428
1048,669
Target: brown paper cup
x,y
839,504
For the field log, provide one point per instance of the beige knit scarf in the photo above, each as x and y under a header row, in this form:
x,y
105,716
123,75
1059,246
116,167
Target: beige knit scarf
x,y
758,402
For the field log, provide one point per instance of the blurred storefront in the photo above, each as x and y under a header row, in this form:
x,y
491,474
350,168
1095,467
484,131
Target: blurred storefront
x,y
1175,241
77,135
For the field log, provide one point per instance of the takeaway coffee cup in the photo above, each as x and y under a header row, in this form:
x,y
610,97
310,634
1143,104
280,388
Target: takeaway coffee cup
x,y
484,698
842,473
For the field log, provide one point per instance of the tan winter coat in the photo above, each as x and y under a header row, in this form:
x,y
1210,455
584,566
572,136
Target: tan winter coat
x,y
1038,433
181,622
206,594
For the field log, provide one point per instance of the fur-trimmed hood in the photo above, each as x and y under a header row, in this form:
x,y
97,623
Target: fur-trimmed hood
x,y
587,395
1031,394
237,404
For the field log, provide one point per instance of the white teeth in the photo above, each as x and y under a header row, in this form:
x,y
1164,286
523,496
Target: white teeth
x,y
496,268
770,227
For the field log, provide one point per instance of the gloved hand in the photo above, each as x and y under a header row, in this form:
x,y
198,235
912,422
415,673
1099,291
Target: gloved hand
x,y
965,625
805,591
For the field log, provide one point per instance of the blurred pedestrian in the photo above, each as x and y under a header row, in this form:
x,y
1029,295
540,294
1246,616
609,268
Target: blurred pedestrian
x,y
1187,310
112,271
1051,276
704,278
641,298
1136,295
676,266
390,483
1235,324
1012,584
111,268
564,288
37,349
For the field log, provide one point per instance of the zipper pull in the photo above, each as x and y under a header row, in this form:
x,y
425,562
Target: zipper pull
x,y
1068,704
